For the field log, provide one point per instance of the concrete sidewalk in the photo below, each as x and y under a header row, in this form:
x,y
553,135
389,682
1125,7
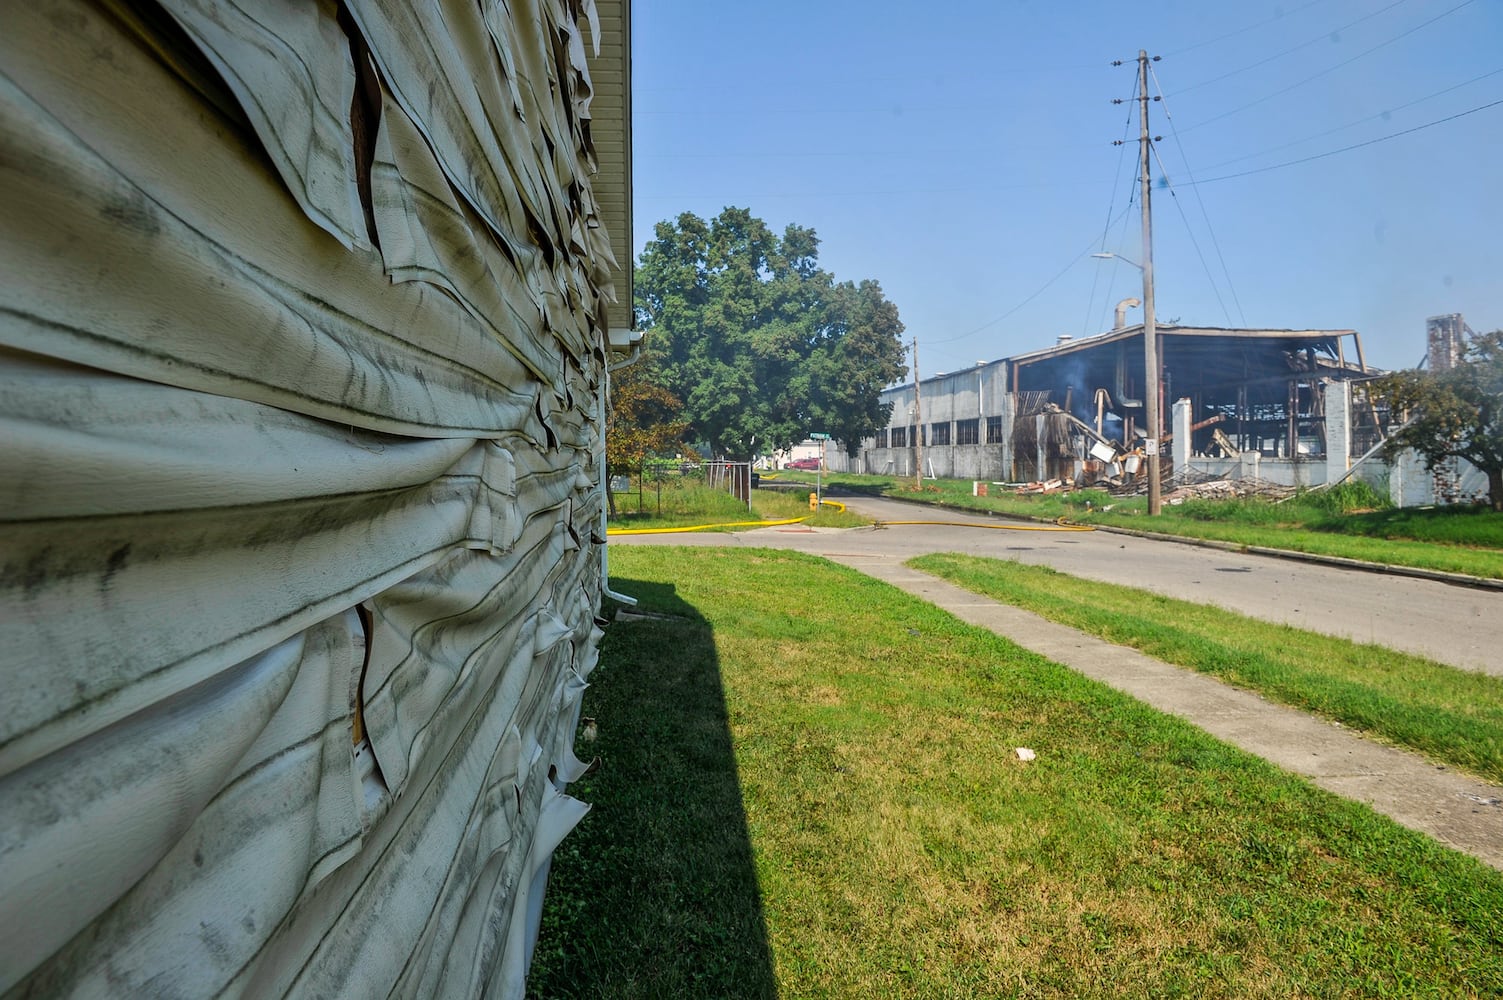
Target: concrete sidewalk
x,y
1461,812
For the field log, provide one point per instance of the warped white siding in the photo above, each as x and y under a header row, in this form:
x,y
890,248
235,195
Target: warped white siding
x,y
302,342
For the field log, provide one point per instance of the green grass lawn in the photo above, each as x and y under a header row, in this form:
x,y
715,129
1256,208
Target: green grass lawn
x,y
1453,716
1465,540
686,501
807,788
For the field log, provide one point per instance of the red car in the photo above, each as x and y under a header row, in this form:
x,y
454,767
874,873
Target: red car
x,y
809,464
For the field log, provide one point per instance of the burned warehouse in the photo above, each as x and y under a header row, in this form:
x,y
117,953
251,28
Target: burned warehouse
x,y
1239,402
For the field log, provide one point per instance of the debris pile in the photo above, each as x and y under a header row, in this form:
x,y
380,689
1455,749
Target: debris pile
x,y
1176,489
1226,489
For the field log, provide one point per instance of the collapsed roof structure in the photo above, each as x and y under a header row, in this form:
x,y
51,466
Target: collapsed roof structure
x,y
1074,408
1261,388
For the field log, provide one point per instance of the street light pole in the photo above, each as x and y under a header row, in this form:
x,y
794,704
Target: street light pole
x,y
918,411
1151,372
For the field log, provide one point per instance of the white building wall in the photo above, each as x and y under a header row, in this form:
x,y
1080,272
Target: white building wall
x,y
1338,405
971,394
1179,450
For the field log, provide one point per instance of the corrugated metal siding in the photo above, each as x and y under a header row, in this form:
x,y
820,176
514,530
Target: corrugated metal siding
x,y
298,418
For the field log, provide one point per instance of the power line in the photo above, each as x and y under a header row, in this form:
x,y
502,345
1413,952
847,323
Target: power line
x,y
1215,290
1250,27
1360,121
1215,243
1110,207
1111,281
1357,145
1040,291
1329,70
1289,51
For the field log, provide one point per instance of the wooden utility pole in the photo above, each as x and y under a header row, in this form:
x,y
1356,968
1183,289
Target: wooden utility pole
x,y
918,418
1151,373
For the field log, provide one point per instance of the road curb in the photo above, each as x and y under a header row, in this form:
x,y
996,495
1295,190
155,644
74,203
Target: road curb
x,y
1440,576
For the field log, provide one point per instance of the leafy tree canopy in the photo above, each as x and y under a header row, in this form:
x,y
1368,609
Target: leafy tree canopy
x,y
644,420
1456,413
761,345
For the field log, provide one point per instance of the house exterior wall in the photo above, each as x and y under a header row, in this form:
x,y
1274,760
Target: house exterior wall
x,y
302,340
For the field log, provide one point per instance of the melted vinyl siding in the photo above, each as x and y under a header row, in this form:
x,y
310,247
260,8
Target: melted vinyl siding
x,y
272,453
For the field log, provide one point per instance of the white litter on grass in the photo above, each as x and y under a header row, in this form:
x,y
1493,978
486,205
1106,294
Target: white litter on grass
x,y
1024,753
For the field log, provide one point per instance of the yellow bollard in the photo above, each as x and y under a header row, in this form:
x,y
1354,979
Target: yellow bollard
x,y
814,501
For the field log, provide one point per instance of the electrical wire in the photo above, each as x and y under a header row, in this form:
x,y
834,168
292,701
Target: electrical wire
x,y
1111,282
1215,290
1329,70
1215,243
1290,51
1357,145
1040,291
1110,207
1387,112
1232,34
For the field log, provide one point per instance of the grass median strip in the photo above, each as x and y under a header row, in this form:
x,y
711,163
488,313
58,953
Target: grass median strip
x,y
808,787
1453,716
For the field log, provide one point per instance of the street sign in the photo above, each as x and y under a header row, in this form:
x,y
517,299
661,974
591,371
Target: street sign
x,y
819,437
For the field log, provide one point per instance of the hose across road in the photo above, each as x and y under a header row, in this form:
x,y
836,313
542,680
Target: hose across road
x,y
1059,525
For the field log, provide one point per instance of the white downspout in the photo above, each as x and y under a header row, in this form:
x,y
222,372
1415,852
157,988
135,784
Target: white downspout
x,y
605,391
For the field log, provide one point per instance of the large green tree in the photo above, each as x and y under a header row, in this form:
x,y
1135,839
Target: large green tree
x,y
1456,413
761,345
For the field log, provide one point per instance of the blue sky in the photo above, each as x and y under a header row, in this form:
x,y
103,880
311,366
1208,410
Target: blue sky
x,y
961,155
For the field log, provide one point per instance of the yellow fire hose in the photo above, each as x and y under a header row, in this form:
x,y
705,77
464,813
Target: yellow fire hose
x,y
703,527
1058,525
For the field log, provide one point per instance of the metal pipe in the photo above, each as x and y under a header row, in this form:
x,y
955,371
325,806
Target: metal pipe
x,y
633,358
605,570
1103,402
1120,382
1122,308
